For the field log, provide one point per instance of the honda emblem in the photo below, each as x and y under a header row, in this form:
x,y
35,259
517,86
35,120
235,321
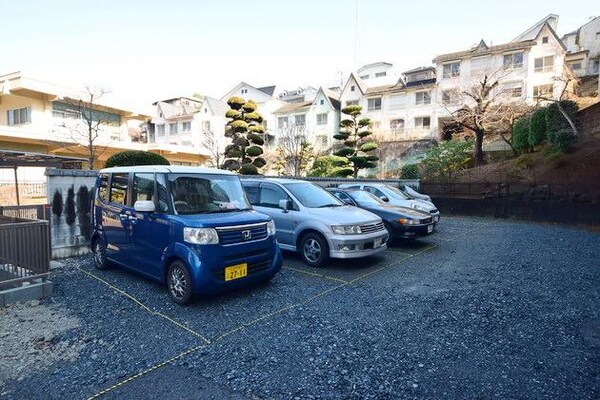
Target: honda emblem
x,y
246,235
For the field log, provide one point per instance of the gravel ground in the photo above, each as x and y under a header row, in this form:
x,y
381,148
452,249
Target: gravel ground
x,y
480,309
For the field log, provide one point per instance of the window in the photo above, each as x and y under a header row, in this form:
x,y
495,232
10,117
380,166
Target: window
x,y
270,196
118,188
423,123
352,88
160,130
542,91
397,125
423,98
252,192
597,35
575,66
186,126
545,39
374,104
375,191
321,119
513,61
19,116
205,126
143,187
343,197
244,91
103,190
449,97
397,101
364,77
351,103
173,128
164,199
281,122
300,120
451,70
544,64
380,74
322,102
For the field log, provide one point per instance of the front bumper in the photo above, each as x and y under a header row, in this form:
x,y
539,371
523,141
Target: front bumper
x,y
411,231
355,246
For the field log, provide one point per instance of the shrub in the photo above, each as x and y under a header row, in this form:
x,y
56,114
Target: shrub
x,y
332,166
409,171
133,157
562,139
520,134
555,120
448,157
537,128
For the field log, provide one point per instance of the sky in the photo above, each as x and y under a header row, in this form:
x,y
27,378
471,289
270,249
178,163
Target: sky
x,y
146,50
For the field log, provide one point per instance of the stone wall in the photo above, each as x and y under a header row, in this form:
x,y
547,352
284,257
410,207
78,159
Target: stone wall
x,y
70,198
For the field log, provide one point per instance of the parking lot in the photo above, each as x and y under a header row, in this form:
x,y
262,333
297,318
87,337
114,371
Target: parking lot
x,y
482,308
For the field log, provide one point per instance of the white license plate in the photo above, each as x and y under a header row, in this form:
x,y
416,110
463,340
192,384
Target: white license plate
x,y
429,228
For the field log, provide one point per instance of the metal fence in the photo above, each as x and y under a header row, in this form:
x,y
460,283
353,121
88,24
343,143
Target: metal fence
x,y
40,211
24,250
518,190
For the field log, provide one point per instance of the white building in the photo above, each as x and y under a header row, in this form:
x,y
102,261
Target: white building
x,y
267,104
299,95
583,48
527,68
318,119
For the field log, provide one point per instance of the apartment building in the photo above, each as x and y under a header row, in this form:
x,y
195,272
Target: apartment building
x,y
42,117
583,49
317,119
401,111
528,69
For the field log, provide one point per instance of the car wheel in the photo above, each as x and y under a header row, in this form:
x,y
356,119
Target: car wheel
x,y
179,283
314,249
99,254
390,231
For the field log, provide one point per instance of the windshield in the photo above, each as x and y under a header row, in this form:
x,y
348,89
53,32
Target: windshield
x,y
365,199
310,195
204,194
398,192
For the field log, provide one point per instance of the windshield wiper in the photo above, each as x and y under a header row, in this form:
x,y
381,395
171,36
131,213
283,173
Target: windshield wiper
x,y
225,210
329,205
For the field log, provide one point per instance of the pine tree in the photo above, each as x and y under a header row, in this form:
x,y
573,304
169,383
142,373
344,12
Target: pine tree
x,y
357,147
244,128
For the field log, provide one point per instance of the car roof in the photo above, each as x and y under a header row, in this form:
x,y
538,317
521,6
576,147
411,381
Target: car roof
x,y
377,184
274,180
176,169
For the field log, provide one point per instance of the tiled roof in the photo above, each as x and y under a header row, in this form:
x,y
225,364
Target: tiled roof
x,y
492,49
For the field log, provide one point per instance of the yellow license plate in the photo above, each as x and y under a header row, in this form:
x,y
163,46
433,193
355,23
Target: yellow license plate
x,y
236,271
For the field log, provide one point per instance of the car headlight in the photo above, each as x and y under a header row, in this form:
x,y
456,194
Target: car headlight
x,y
200,235
270,228
346,229
408,221
418,207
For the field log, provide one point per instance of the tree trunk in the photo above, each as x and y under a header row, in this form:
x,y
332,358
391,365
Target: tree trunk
x,y
479,147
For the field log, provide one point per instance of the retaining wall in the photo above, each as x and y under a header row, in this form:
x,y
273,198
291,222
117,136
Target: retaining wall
x,y
70,198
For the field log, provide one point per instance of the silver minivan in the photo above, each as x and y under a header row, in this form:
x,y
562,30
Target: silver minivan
x,y
312,221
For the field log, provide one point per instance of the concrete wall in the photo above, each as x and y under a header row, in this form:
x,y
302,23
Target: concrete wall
x,y
70,199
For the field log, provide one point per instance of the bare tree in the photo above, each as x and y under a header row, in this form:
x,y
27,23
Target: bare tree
x,y
568,82
212,143
297,151
89,122
485,107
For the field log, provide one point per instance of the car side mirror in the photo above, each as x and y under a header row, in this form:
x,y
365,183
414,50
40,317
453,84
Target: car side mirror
x,y
385,198
285,204
144,206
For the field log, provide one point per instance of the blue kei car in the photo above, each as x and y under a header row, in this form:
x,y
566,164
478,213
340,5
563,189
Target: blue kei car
x,y
190,228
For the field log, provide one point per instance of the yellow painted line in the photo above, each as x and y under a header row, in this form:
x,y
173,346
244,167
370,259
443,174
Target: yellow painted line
x,y
302,271
143,306
147,371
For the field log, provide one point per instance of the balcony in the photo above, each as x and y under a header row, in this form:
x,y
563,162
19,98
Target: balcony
x,y
403,134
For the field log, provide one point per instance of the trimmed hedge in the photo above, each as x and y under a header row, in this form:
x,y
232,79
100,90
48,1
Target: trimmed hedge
x,y
537,128
409,171
133,157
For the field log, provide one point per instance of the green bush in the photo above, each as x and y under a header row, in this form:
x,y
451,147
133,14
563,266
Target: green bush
x,y
559,133
133,157
520,134
332,166
443,161
537,128
409,171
